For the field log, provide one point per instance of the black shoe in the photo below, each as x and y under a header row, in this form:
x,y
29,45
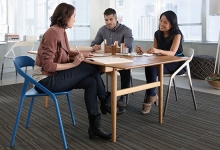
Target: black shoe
x,y
123,100
95,129
105,106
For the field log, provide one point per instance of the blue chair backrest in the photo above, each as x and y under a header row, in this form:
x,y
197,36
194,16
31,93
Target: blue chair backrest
x,y
25,61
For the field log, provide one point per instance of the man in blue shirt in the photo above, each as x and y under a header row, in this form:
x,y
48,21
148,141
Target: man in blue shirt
x,y
114,31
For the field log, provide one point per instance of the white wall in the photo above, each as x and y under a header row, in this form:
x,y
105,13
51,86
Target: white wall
x,y
97,8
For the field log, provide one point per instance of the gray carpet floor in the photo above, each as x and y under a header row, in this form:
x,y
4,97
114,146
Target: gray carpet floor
x,y
183,128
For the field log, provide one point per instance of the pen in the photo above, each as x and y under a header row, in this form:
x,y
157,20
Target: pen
x,y
77,49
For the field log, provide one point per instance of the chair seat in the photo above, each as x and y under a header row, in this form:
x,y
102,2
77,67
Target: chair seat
x,y
33,92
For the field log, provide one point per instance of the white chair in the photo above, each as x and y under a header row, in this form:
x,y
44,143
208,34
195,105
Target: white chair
x,y
12,54
188,52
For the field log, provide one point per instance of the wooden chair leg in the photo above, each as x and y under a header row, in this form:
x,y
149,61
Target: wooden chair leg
x,y
45,101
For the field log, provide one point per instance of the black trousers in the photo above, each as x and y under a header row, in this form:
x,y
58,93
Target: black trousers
x,y
85,76
125,78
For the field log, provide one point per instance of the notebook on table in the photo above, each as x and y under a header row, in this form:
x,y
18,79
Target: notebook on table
x,y
110,60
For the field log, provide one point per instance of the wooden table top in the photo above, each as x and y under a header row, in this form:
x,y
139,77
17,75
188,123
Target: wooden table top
x,y
143,61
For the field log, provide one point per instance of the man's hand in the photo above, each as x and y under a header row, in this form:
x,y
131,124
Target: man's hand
x,y
96,47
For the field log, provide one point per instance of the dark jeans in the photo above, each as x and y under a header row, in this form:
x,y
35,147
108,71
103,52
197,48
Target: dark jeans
x,y
125,78
151,74
85,76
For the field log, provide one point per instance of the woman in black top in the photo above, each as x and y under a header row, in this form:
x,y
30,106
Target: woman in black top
x,y
167,41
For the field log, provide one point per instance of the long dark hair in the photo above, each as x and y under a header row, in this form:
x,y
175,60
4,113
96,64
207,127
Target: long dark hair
x,y
172,18
62,14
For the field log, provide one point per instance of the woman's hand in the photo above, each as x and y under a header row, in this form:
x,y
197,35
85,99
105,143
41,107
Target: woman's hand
x,y
88,55
139,50
153,50
78,59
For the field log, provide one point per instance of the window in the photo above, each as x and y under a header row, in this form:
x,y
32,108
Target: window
x,y
144,19
147,13
189,16
32,17
81,28
3,20
212,26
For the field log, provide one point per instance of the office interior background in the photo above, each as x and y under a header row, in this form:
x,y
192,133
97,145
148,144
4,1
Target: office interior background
x,y
31,17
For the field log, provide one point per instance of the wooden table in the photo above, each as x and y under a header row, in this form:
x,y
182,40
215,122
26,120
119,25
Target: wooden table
x,y
138,62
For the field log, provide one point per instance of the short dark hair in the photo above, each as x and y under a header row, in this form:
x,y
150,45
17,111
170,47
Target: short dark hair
x,y
62,14
110,11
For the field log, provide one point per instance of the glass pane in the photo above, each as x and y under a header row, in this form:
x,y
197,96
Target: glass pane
x,y
78,33
212,26
32,17
192,32
188,11
3,19
3,12
144,19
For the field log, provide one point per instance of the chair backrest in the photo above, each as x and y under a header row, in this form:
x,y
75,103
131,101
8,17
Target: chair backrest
x,y
21,44
25,61
188,52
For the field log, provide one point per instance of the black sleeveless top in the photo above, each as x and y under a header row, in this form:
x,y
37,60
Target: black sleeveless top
x,y
166,44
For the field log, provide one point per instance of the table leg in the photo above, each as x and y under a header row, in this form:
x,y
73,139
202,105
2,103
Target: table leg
x,y
45,101
160,92
113,102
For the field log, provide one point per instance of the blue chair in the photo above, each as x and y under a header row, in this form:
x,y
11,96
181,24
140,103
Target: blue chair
x,y
25,61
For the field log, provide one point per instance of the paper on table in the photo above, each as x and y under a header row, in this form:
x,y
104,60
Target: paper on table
x,y
145,54
100,55
110,60
129,54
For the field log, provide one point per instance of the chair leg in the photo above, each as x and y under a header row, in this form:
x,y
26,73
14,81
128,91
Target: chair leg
x,y
29,113
24,89
2,68
167,97
45,101
17,121
71,110
191,87
174,85
25,70
60,122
